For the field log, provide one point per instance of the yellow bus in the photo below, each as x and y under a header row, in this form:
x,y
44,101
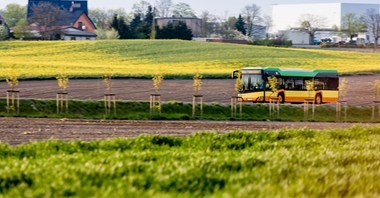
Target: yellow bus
x,y
291,86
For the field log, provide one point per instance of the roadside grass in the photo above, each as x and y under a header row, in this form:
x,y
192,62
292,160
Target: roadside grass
x,y
283,163
172,58
139,110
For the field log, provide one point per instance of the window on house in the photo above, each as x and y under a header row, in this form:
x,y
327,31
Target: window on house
x,y
73,38
80,25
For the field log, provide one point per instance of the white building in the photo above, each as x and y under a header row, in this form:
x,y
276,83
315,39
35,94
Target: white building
x,y
286,17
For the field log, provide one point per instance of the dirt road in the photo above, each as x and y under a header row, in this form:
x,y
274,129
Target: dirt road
x,y
16,131
220,90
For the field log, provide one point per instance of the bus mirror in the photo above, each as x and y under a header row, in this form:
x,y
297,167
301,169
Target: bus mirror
x,y
235,74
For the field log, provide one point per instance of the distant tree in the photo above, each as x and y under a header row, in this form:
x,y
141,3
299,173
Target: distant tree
x,y
251,14
164,8
310,24
13,13
147,24
351,25
123,29
141,7
268,22
230,23
47,16
106,34
183,10
176,30
115,22
101,17
21,29
205,27
135,26
372,20
4,33
240,25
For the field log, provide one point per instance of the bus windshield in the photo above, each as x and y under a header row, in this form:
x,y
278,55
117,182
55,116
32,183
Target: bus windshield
x,y
252,82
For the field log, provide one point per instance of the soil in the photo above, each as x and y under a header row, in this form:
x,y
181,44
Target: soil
x,y
16,131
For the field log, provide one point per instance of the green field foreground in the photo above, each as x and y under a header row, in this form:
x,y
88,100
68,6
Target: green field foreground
x,y
285,163
172,58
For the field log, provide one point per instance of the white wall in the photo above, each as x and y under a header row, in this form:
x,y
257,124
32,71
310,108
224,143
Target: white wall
x,y
287,16
68,38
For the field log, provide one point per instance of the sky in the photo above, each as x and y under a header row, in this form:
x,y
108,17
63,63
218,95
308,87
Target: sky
x,y
222,8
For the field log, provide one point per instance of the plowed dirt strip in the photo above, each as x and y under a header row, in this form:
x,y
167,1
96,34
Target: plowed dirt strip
x,y
16,131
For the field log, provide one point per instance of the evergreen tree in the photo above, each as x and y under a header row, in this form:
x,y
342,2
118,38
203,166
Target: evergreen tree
x,y
115,22
177,30
146,26
3,32
123,29
240,25
182,31
134,26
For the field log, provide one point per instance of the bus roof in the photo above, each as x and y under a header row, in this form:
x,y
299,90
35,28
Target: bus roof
x,y
272,71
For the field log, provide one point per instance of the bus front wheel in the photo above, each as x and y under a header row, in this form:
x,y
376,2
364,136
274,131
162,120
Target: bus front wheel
x,y
318,99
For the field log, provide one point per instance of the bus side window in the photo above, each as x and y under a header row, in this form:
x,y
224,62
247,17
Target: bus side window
x,y
289,84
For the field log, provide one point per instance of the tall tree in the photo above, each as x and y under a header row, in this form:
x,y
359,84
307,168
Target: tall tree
x,y
205,27
240,25
310,24
47,16
21,29
147,25
183,10
3,32
372,19
123,29
102,17
252,16
135,26
13,13
174,30
164,8
351,25
140,8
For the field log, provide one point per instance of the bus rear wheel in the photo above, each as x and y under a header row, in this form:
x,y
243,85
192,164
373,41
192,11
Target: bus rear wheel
x,y
318,99
281,98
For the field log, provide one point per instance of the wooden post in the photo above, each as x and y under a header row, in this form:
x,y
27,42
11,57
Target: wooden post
x,y
197,100
234,103
109,103
375,104
155,104
339,105
273,103
62,102
306,103
13,95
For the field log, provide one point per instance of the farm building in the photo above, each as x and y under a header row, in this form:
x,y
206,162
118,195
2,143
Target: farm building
x,y
192,23
75,26
287,17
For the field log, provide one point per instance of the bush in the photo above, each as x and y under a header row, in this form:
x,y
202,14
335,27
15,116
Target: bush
x,y
273,42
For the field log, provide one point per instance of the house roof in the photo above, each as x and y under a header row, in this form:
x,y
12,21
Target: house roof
x,y
70,31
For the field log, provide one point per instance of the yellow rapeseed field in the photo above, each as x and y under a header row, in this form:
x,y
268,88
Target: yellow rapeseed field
x,y
137,58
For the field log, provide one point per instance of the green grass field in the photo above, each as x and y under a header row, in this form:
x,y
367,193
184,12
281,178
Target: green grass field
x,y
286,163
144,58
132,110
